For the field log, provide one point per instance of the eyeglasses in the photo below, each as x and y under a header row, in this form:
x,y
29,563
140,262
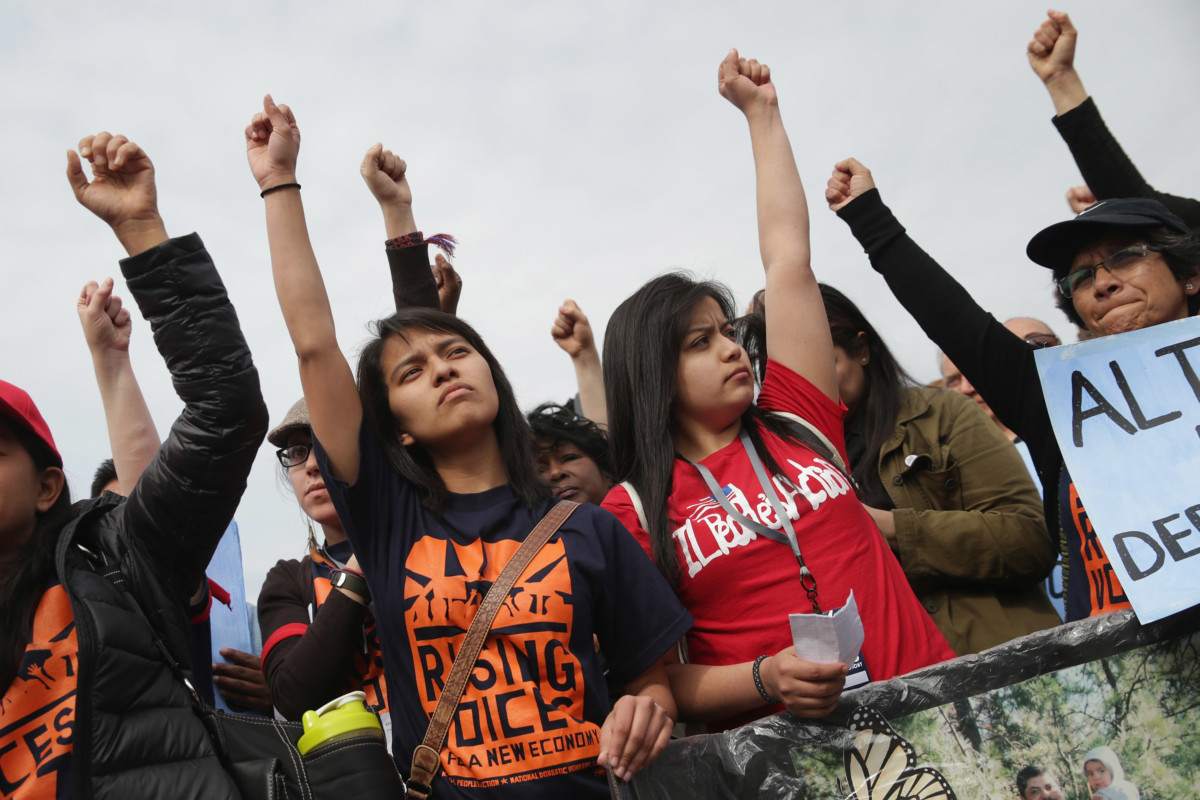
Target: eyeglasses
x,y
293,455
1120,263
1040,341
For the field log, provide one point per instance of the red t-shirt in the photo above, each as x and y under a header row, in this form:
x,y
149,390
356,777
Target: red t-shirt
x,y
740,586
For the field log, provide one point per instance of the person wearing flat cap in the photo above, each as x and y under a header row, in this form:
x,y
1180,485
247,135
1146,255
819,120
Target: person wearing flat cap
x,y
319,638
1122,264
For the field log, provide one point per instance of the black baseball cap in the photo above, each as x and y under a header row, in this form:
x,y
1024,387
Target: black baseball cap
x,y
1057,245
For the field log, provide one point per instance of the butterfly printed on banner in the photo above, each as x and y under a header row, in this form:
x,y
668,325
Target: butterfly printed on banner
x,y
882,765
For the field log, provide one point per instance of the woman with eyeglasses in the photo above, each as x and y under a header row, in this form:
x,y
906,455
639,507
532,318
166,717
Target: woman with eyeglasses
x,y
319,638
1120,265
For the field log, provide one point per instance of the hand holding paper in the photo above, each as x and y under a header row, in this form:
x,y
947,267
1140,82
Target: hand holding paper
x,y
830,637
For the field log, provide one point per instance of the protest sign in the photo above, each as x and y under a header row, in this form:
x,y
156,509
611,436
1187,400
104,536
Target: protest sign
x,y
1126,412
229,624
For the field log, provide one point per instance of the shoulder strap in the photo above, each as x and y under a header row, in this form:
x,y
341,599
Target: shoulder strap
x,y
636,499
799,420
427,758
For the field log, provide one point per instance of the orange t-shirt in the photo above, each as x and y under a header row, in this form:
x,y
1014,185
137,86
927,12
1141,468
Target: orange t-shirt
x,y
37,712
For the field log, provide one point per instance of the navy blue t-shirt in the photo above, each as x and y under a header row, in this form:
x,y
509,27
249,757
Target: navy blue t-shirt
x,y
533,708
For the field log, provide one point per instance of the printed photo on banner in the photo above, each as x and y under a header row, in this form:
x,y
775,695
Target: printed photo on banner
x,y
1119,727
1126,412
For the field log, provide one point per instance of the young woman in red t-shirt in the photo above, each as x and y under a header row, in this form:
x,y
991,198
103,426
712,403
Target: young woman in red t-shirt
x,y
681,396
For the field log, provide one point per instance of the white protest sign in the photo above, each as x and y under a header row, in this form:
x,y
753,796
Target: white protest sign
x,y
1126,412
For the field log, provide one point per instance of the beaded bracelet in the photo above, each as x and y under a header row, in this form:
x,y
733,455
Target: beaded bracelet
x,y
758,684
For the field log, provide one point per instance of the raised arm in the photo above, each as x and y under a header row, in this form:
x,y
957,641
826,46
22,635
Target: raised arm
x,y
573,333
415,282
797,332
1051,53
998,363
272,146
131,433
186,496
1106,168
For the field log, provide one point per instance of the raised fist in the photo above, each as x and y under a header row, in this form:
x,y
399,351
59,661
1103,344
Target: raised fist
x,y
571,330
272,145
383,172
745,83
1080,198
449,283
850,179
122,190
106,325
1051,52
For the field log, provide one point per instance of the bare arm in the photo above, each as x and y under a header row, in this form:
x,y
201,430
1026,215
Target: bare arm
x,y
638,728
573,333
131,432
797,332
706,693
272,145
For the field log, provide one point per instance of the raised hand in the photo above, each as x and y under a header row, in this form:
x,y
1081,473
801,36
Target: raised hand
x,y
122,191
383,172
806,688
745,83
1079,198
572,331
1051,52
272,145
850,179
449,284
1052,55
106,325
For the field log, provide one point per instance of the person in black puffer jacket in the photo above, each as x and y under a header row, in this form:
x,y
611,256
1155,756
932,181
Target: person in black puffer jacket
x,y
90,707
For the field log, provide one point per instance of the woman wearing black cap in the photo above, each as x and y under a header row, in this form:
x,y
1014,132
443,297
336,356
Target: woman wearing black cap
x,y
1121,265
90,707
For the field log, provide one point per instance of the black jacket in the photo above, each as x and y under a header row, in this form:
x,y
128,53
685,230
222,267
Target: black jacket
x,y
135,734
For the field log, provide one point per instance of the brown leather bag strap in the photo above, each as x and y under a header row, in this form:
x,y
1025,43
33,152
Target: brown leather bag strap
x,y
427,758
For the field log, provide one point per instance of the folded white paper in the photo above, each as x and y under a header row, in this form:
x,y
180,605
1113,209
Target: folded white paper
x,y
830,637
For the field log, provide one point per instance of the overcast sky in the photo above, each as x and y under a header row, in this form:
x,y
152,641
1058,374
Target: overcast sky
x,y
575,149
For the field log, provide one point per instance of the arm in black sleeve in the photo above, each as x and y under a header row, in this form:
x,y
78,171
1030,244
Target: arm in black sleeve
x,y
308,670
1106,168
186,496
413,284
999,364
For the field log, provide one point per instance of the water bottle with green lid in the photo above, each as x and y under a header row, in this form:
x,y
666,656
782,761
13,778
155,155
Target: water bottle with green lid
x,y
339,719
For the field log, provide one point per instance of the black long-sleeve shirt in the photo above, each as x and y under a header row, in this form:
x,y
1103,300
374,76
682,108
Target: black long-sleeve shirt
x,y
1003,370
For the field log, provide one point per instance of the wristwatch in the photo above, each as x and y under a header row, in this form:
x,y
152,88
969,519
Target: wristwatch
x,y
351,582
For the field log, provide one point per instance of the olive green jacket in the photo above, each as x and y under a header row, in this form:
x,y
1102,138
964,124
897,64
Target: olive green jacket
x,y
969,525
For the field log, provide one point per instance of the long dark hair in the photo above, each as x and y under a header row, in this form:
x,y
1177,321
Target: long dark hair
x,y
412,462
641,361
884,386
23,580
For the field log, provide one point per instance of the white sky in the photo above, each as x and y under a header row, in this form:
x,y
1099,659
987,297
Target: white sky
x,y
575,149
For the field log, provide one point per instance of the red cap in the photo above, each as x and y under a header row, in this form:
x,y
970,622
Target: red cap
x,y
17,405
